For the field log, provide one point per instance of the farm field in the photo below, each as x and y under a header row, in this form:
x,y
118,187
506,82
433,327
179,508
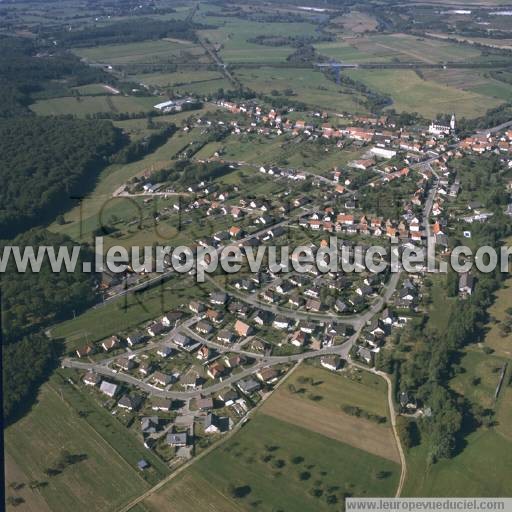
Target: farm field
x,y
268,454
410,93
140,52
102,481
233,37
470,80
309,86
501,344
83,105
409,48
178,79
313,400
482,469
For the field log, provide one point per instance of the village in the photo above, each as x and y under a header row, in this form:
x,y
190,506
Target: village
x,y
198,371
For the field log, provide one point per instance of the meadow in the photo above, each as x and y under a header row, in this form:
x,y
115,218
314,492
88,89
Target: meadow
x,y
102,481
313,473
413,94
140,52
83,105
309,86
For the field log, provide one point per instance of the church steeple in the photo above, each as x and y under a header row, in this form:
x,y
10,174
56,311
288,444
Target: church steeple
x,y
452,123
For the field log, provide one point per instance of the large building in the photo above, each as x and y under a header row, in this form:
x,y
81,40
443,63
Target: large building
x,y
440,129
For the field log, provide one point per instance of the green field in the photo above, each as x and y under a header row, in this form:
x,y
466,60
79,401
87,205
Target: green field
x,y
233,35
125,314
140,52
309,86
101,482
179,78
268,454
412,94
83,105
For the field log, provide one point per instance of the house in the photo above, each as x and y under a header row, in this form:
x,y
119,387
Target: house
x,y
225,336
242,329
161,404
258,345
171,318
248,385
340,306
365,354
84,351
176,439
219,298
267,375
164,351
331,362
142,464
263,318
299,338
204,327
162,378
228,397
234,361
149,424
145,367
156,329
466,283
313,305
191,379
180,339
281,322
216,370
130,402
108,388
203,353
125,363
204,404
134,339
196,307
214,425
112,343
215,316
91,379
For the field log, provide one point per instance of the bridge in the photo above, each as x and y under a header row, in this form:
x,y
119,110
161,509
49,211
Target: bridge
x,y
336,67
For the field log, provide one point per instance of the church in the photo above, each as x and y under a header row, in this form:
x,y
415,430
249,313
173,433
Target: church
x,y
439,129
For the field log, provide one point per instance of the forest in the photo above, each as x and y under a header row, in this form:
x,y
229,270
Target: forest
x,y
32,301
47,161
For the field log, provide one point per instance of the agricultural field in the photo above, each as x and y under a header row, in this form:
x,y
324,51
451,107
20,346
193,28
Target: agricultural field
x,y
470,80
309,86
413,94
233,34
178,79
83,105
313,399
268,454
146,52
101,480
354,22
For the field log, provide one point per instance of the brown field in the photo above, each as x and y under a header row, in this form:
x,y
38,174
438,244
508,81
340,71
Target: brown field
x,y
357,432
356,22
33,500
188,493
459,78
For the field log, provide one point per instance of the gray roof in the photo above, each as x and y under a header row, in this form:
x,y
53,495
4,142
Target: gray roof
x,y
176,438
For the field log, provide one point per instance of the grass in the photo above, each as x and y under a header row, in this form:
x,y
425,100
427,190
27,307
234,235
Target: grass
x,y
83,105
251,461
502,345
104,481
179,78
233,36
413,94
139,52
314,398
309,86
124,314
483,468
441,306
